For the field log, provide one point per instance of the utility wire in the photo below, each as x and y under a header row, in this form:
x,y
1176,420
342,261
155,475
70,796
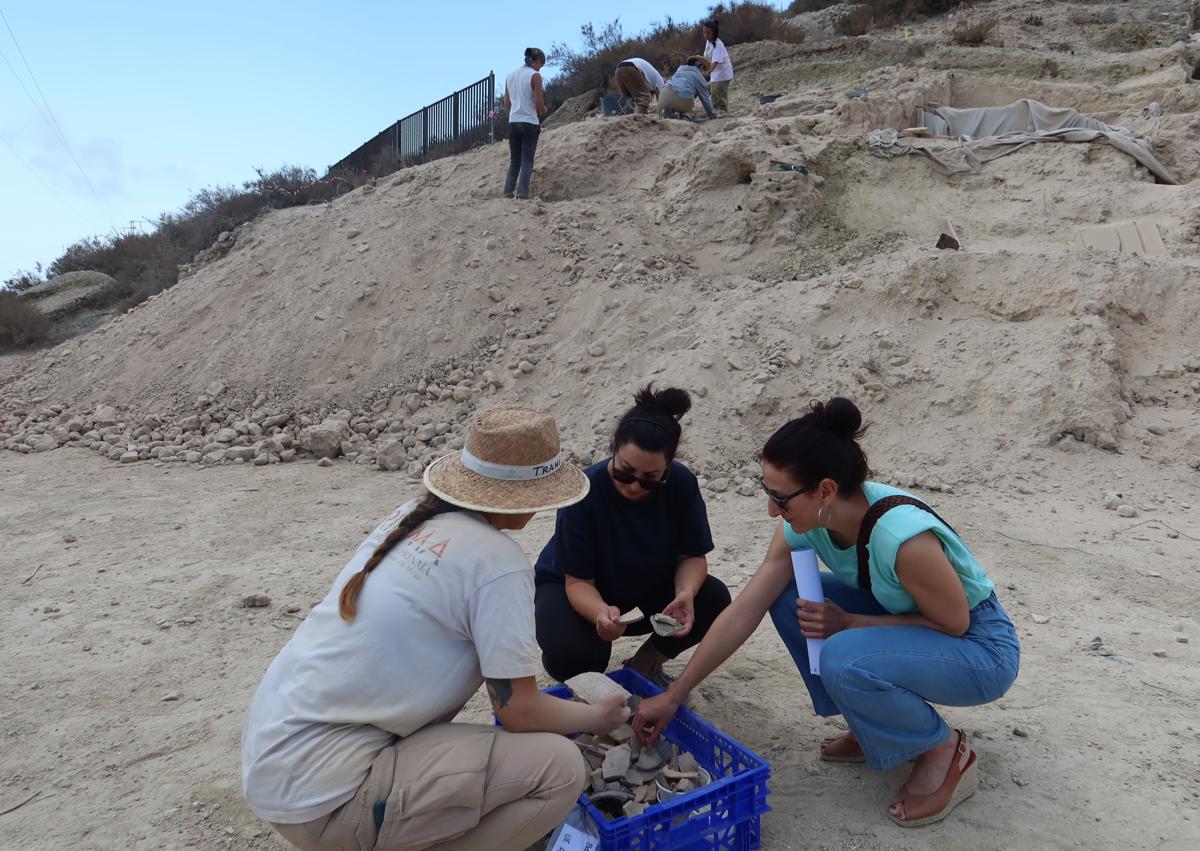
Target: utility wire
x,y
13,35
41,179
52,122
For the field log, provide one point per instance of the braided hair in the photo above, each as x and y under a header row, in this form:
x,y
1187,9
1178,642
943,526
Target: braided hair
x,y
428,508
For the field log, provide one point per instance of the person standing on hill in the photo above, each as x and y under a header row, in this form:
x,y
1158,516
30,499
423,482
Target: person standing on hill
x,y
638,79
524,99
722,65
685,85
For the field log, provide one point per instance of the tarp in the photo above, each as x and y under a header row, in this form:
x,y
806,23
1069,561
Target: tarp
x,y
993,132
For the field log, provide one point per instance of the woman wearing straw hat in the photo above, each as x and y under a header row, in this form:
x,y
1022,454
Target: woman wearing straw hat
x,y
347,743
639,540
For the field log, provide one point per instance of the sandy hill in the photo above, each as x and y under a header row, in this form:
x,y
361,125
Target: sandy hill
x,y
666,251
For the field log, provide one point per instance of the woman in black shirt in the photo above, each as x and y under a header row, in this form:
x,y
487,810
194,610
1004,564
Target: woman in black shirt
x,y
639,539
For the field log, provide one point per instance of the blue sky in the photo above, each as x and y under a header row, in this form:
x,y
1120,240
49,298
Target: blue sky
x,y
159,99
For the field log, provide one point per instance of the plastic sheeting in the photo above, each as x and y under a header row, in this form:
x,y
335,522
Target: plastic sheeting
x,y
993,132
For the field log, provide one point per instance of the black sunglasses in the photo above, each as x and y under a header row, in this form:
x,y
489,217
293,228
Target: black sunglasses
x,y
627,478
778,498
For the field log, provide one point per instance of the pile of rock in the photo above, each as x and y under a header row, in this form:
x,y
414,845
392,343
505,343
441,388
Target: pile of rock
x,y
626,777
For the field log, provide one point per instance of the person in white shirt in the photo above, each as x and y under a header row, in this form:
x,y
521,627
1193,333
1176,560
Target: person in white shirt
x,y
638,79
348,742
524,99
722,65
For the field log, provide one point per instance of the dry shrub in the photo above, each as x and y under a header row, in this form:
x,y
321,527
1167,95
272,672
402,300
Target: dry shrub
x,y
1049,68
976,32
856,22
1135,35
1033,21
800,7
21,324
665,45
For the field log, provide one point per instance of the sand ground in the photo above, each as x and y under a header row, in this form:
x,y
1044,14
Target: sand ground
x,y
137,571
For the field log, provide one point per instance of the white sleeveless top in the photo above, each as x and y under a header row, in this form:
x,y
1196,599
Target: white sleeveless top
x,y
519,88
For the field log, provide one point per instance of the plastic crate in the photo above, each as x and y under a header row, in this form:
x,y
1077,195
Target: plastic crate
x,y
732,804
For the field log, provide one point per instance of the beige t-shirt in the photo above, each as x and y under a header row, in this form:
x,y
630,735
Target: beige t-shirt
x,y
446,608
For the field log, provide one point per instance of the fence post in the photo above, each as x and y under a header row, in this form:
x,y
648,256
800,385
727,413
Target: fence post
x,y
456,117
491,96
424,131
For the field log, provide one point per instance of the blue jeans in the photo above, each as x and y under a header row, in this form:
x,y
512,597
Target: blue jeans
x,y
882,679
522,144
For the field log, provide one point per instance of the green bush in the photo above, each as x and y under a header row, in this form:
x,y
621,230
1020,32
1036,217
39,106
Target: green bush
x,y
21,324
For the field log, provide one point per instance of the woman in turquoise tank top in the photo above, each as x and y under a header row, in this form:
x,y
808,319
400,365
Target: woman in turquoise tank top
x,y
910,621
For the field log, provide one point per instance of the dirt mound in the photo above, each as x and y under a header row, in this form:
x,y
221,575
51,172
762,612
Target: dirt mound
x,y
687,254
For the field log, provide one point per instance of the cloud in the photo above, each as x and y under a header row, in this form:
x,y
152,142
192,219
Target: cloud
x,y
102,158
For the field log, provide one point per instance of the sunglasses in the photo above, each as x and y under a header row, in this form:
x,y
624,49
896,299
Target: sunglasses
x,y
779,499
627,478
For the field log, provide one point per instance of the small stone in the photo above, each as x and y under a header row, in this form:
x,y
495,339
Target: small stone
x,y
129,457
1171,533
291,609
616,763
665,625
1019,733
688,764
1182,639
1113,500
525,367
69,539
1040,618
1161,654
633,809
650,760
145,641
169,697
1127,511
1157,430
591,686
1018,780
325,462
597,349
255,601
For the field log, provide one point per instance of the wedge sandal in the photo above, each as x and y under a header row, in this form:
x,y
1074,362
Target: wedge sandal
x,y
962,780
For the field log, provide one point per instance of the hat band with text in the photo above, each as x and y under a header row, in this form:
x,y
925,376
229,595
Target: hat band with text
x,y
511,472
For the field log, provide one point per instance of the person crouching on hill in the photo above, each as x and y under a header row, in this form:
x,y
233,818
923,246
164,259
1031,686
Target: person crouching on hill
x,y
686,84
909,616
639,80
347,743
639,539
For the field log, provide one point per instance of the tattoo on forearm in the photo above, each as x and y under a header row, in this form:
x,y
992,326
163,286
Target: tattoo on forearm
x,y
500,692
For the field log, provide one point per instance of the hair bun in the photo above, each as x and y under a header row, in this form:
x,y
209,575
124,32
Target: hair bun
x,y
671,402
841,416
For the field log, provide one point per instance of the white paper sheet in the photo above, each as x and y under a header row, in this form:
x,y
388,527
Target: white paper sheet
x,y
571,839
808,584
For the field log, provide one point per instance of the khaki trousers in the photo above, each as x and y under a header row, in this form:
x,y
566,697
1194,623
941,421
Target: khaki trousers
x,y
630,82
720,95
668,98
460,787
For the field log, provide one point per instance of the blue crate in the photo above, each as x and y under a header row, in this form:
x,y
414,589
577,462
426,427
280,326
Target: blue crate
x,y
735,800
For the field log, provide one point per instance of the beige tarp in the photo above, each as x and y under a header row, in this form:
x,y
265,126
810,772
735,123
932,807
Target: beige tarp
x,y
987,134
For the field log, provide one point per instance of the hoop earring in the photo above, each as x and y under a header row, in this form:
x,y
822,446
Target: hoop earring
x,y
828,516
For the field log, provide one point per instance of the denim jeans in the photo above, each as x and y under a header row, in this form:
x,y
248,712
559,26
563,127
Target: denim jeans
x,y
882,679
522,144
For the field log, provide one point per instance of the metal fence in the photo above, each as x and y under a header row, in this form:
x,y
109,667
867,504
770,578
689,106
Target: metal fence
x,y
455,123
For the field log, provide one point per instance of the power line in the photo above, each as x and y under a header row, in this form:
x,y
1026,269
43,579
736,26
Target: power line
x,y
52,121
42,180
13,35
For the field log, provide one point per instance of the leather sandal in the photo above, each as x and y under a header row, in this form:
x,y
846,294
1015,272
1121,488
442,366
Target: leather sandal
x,y
842,749
962,780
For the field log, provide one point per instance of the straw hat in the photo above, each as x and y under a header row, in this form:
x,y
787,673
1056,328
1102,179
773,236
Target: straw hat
x,y
510,463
